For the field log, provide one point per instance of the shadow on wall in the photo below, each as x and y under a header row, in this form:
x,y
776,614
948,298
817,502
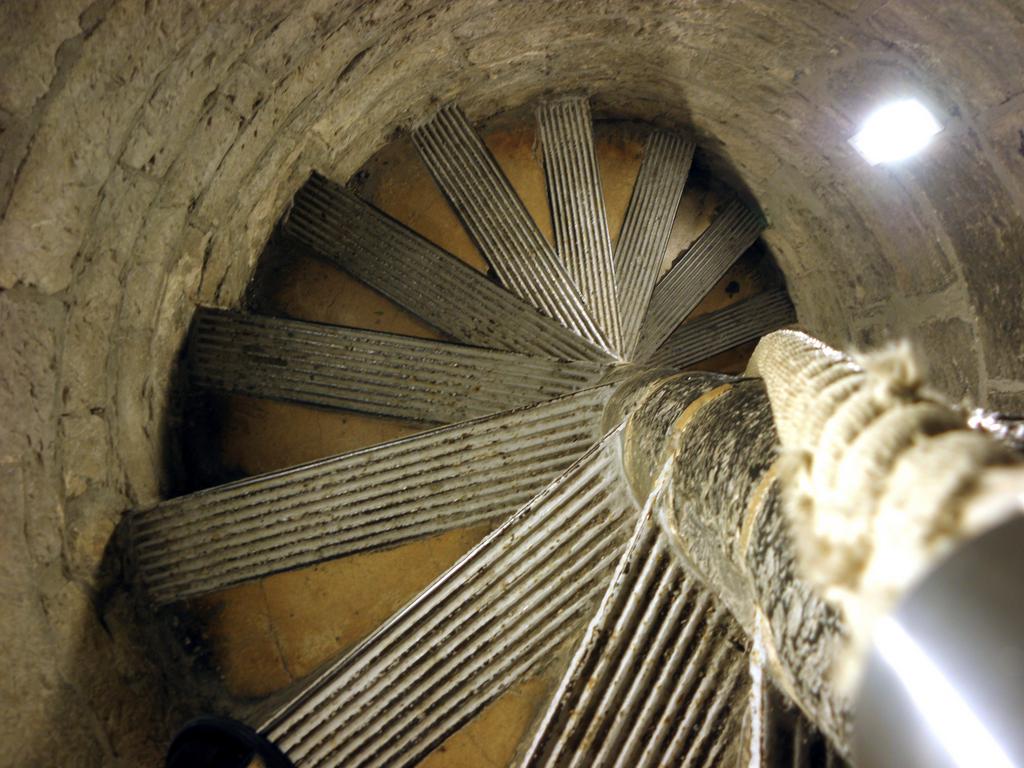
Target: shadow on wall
x,y
114,699
119,680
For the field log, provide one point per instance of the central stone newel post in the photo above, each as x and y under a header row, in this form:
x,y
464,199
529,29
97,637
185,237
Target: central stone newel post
x,y
706,445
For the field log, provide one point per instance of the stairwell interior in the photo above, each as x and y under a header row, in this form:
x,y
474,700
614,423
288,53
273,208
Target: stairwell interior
x,y
150,152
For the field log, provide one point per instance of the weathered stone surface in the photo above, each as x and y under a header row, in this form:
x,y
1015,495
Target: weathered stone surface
x,y
733,431
33,51
987,230
989,32
733,532
1009,401
51,37
806,633
185,88
76,146
149,148
941,342
1001,131
86,454
90,521
30,326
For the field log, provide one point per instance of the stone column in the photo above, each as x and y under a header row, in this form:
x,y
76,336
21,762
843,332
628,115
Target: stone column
x,y
706,445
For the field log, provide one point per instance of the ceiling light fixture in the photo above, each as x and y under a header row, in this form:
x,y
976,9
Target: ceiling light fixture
x,y
895,132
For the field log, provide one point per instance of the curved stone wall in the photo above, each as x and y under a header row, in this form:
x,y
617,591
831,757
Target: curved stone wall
x,y
149,148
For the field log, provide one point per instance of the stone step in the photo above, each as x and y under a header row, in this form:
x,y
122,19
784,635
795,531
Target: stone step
x,y
577,207
376,497
499,223
487,622
695,273
429,282
660,677
724,329
378,373
647,227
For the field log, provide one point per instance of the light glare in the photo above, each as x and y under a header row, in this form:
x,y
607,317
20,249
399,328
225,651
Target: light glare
x,y
951,719
895,132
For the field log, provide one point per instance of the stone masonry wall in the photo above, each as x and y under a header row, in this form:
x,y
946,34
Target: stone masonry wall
x,y
147,148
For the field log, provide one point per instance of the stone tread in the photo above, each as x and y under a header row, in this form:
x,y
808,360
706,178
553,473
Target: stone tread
x,y
487,622
723,329
657,677
447,478
429,282
695,273
647,227
378,373
577,207
498,221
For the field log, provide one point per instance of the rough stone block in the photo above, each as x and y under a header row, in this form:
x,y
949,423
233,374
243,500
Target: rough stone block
x,y
949,347
86,452
176,104
1009,401
246,155
971,49
30,326
136,432
979,219
15,570
91,520
42,28
75,146
1004,133
213,135
245,88
85,384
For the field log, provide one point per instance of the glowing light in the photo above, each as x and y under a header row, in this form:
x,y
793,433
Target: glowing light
x,y
895,132
950,718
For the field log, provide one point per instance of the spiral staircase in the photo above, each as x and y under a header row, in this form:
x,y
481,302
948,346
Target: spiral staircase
x,y
502,404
